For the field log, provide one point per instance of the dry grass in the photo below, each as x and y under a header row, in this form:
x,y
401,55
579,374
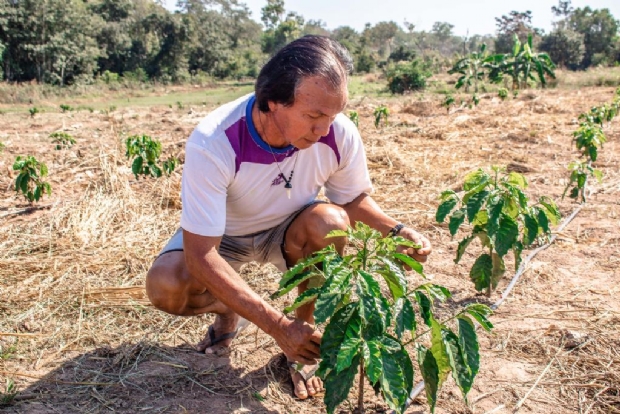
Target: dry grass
x,y
77,333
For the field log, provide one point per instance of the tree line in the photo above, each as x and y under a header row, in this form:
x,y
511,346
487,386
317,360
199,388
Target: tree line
x,y
79,41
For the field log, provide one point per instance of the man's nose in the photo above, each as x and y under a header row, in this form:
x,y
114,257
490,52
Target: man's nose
x,y
322,128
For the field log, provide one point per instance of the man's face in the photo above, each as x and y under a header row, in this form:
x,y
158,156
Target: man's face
x,y
309,118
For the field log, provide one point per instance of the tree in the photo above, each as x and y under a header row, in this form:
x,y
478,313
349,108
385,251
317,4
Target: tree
x,y
471,69
348,37
599,30
565,47
381,36
515,23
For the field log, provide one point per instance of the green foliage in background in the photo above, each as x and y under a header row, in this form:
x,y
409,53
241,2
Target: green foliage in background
x,y
502,219
405,77
354,117
30,176
368,328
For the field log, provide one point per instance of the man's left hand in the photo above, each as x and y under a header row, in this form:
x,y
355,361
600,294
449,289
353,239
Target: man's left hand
x,y
421,253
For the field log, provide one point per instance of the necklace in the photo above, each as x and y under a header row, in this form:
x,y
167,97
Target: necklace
x,y
288,183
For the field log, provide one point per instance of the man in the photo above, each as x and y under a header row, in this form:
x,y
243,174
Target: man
x,y
253,169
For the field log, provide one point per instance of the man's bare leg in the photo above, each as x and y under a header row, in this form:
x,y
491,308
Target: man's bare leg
x,y
305,236
171,289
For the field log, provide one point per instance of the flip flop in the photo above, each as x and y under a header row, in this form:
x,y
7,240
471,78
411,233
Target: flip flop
x,y
214,340
306,374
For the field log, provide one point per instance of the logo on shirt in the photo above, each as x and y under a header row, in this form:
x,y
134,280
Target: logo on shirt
x,y
278,180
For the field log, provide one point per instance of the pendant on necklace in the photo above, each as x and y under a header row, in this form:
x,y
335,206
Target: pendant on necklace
x,y
288,187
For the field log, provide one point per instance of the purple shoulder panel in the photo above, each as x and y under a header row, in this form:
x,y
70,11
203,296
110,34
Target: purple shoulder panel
x,y
330,141
247,150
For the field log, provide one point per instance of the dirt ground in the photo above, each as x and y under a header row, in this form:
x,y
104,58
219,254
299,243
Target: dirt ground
x,y
77,333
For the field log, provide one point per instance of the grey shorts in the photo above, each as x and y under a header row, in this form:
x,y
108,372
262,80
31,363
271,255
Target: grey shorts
x,y
263,247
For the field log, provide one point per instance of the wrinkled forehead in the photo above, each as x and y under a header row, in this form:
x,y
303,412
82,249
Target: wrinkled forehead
x,y
319,94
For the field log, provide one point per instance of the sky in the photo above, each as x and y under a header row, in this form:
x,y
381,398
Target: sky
x,y
468,17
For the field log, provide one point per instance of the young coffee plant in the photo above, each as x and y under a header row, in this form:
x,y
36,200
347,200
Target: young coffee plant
x,y
66,108
501,217
145,153
381,112
354,117
448,102
9,394
29,181
589,138
62,140
368,327
502,93
33,111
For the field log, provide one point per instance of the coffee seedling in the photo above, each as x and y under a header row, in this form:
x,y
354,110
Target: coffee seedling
x,y
381,112
367,327
145,153
448,102
65,108
33,111
502,219
502,93
354,117
30,178
62,140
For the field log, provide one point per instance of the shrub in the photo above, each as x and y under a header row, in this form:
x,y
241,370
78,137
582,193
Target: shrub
x,y
62,140
406,76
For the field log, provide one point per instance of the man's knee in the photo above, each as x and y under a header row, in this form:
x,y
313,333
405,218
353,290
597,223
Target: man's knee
x,y
323,219
167,286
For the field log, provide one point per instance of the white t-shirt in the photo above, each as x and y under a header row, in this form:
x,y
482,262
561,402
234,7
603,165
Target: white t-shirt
x,y
231,182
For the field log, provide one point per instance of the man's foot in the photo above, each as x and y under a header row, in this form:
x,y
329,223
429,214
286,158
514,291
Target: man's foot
x,y
221,333
305,384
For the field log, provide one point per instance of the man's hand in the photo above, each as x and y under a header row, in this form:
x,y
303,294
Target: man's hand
x,y
298,340
425,249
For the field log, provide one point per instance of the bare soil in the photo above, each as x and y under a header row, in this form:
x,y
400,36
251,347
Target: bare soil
x,y
77,333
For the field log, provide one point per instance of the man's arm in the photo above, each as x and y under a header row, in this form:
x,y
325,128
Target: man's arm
x,y
366,210
298,340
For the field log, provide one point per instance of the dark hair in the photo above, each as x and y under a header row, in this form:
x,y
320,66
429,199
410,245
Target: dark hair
x,y
308,56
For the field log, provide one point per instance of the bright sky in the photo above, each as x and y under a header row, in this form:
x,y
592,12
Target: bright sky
x,y
475,16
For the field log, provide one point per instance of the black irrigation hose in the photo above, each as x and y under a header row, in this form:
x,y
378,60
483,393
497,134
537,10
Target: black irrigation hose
x,y
419,387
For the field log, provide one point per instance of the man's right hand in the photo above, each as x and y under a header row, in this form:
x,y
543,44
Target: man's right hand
x,y
298,340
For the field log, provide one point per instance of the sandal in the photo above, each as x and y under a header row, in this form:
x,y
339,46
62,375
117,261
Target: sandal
x,y
214,340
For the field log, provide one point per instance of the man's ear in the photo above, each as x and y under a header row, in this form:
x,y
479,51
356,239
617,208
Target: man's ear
x,y
273,106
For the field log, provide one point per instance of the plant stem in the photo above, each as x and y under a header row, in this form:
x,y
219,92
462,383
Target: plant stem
x,y
360,396
490,288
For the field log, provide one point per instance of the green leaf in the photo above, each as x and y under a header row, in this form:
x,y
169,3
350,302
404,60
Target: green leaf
x,y
338,384
531,229
37,193
334,335
456,219
480,313
553,213
482,272
598,174
299,268
474,204
430,374
372,360
294,282
438,348
460,371
336,233
24,183
475,179
425,306
468,340
517,179
460,250
303,299
394,277
392,380
349,349
18,181
543,221
445,208
43,170
325,305
499,268
411,262
136,166
506,235
405,316
438,292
